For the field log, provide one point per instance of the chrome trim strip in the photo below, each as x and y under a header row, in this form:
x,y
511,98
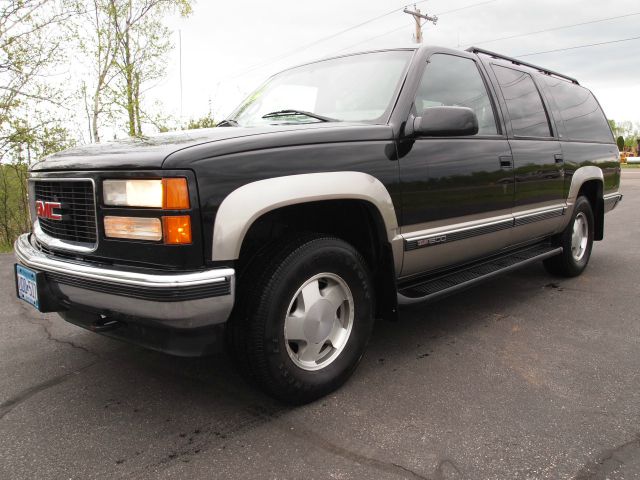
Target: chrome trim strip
x,y
609,197
539,216
415,242
28,255
57,243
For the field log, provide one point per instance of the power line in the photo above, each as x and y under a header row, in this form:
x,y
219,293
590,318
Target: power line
x,y
579,46
466,7
404,26
369,39
554,29
321,40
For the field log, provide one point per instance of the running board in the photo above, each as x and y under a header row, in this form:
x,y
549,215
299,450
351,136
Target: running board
x,y
467,276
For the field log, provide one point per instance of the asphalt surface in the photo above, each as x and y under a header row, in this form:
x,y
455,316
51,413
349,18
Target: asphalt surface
x,y
526,376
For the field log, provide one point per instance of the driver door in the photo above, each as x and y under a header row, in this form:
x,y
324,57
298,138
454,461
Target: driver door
x,y
457,192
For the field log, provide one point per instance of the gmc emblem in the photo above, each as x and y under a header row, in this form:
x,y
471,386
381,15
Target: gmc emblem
x,y
45,210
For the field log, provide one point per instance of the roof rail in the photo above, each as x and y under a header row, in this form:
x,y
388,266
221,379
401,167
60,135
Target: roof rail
x,y
515,61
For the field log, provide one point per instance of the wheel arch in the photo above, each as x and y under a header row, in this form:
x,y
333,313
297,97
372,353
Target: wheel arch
x,y
589,181
353,206
245,205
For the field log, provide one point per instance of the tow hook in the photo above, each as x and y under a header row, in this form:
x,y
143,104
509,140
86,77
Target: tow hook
x,y
105,325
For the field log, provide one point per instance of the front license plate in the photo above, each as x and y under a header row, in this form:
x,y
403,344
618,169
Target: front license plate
x,y
27,285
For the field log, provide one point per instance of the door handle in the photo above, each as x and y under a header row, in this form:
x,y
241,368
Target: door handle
x,y
558,158
506,161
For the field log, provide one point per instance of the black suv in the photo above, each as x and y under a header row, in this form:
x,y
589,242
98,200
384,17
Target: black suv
x,y
336,191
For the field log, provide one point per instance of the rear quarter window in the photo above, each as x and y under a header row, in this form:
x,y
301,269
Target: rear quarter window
x,y
582,116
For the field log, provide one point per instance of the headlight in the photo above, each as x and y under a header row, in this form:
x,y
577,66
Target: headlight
x,y
136,228
167,193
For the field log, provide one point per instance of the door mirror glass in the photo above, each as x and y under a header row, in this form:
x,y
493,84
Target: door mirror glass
x,y
446,122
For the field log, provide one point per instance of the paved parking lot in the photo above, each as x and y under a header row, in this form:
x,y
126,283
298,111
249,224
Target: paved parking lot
x,y
526,376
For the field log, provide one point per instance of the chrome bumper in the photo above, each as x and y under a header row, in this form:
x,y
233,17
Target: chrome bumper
x,y
180,300
611,201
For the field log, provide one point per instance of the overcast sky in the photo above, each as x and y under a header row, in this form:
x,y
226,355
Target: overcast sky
x,y
222,40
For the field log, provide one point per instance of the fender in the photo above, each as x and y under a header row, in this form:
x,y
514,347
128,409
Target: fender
x,y
246,204
579,177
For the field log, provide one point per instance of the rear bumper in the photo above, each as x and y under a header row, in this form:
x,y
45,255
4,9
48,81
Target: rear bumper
x,y
611,201
181,301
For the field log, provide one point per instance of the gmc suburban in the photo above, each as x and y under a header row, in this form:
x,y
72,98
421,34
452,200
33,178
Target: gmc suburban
x,y
335,192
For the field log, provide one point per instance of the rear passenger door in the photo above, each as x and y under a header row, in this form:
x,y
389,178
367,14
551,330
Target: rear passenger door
x,y
456,194
585,135
537,156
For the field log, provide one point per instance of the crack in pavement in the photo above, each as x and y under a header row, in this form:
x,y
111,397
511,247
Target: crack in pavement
x,y
59,341
322,443
258,415
8,405
37,322
210,436
609,461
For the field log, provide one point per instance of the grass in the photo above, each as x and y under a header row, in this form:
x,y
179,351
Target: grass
x,y
6,248
630,165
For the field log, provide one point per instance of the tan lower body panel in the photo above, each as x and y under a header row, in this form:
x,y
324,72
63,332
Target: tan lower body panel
x,y
443,245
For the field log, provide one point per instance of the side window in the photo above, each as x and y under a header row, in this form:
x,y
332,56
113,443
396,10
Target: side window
x,y
583,117
526,110
455,81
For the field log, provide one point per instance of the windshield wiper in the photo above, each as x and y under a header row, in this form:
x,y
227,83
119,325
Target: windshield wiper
x,y
228,123
287,112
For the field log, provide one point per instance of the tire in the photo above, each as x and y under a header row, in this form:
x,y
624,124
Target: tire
x,y
576,242
304,318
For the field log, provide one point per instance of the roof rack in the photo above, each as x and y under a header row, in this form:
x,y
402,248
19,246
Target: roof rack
x,y
515,61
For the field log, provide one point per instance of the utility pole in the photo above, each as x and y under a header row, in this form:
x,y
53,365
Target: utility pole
x,y
417,16
180,56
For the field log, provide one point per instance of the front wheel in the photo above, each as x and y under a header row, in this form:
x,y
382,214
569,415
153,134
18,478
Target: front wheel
x,y
576,242
306,318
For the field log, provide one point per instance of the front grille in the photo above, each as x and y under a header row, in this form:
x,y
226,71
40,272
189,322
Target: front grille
x,y
78,223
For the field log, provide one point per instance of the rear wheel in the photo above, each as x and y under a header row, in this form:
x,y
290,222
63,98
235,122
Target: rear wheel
x,y
305,318
576,242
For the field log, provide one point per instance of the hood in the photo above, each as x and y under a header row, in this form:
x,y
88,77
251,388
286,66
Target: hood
x,y
151,152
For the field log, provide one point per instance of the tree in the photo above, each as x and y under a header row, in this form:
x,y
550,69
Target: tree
x,y
127,43
620,142
25,144
30,47
144,42
627,130
204,122
95,33
32,109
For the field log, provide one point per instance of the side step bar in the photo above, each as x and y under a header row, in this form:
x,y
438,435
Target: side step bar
x,y
443,284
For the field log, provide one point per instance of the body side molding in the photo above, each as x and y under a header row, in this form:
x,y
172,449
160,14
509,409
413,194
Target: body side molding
x,y
246,204
463,231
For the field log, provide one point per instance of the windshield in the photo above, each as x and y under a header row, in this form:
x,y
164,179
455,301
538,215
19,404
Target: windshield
x,y
357,88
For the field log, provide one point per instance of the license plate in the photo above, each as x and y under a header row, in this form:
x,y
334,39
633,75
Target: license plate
x,y
27,285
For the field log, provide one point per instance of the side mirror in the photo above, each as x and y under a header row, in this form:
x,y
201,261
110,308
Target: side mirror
x,y
446,122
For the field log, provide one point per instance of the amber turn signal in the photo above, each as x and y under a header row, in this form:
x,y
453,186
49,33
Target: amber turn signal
x,y
177,230
175,193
